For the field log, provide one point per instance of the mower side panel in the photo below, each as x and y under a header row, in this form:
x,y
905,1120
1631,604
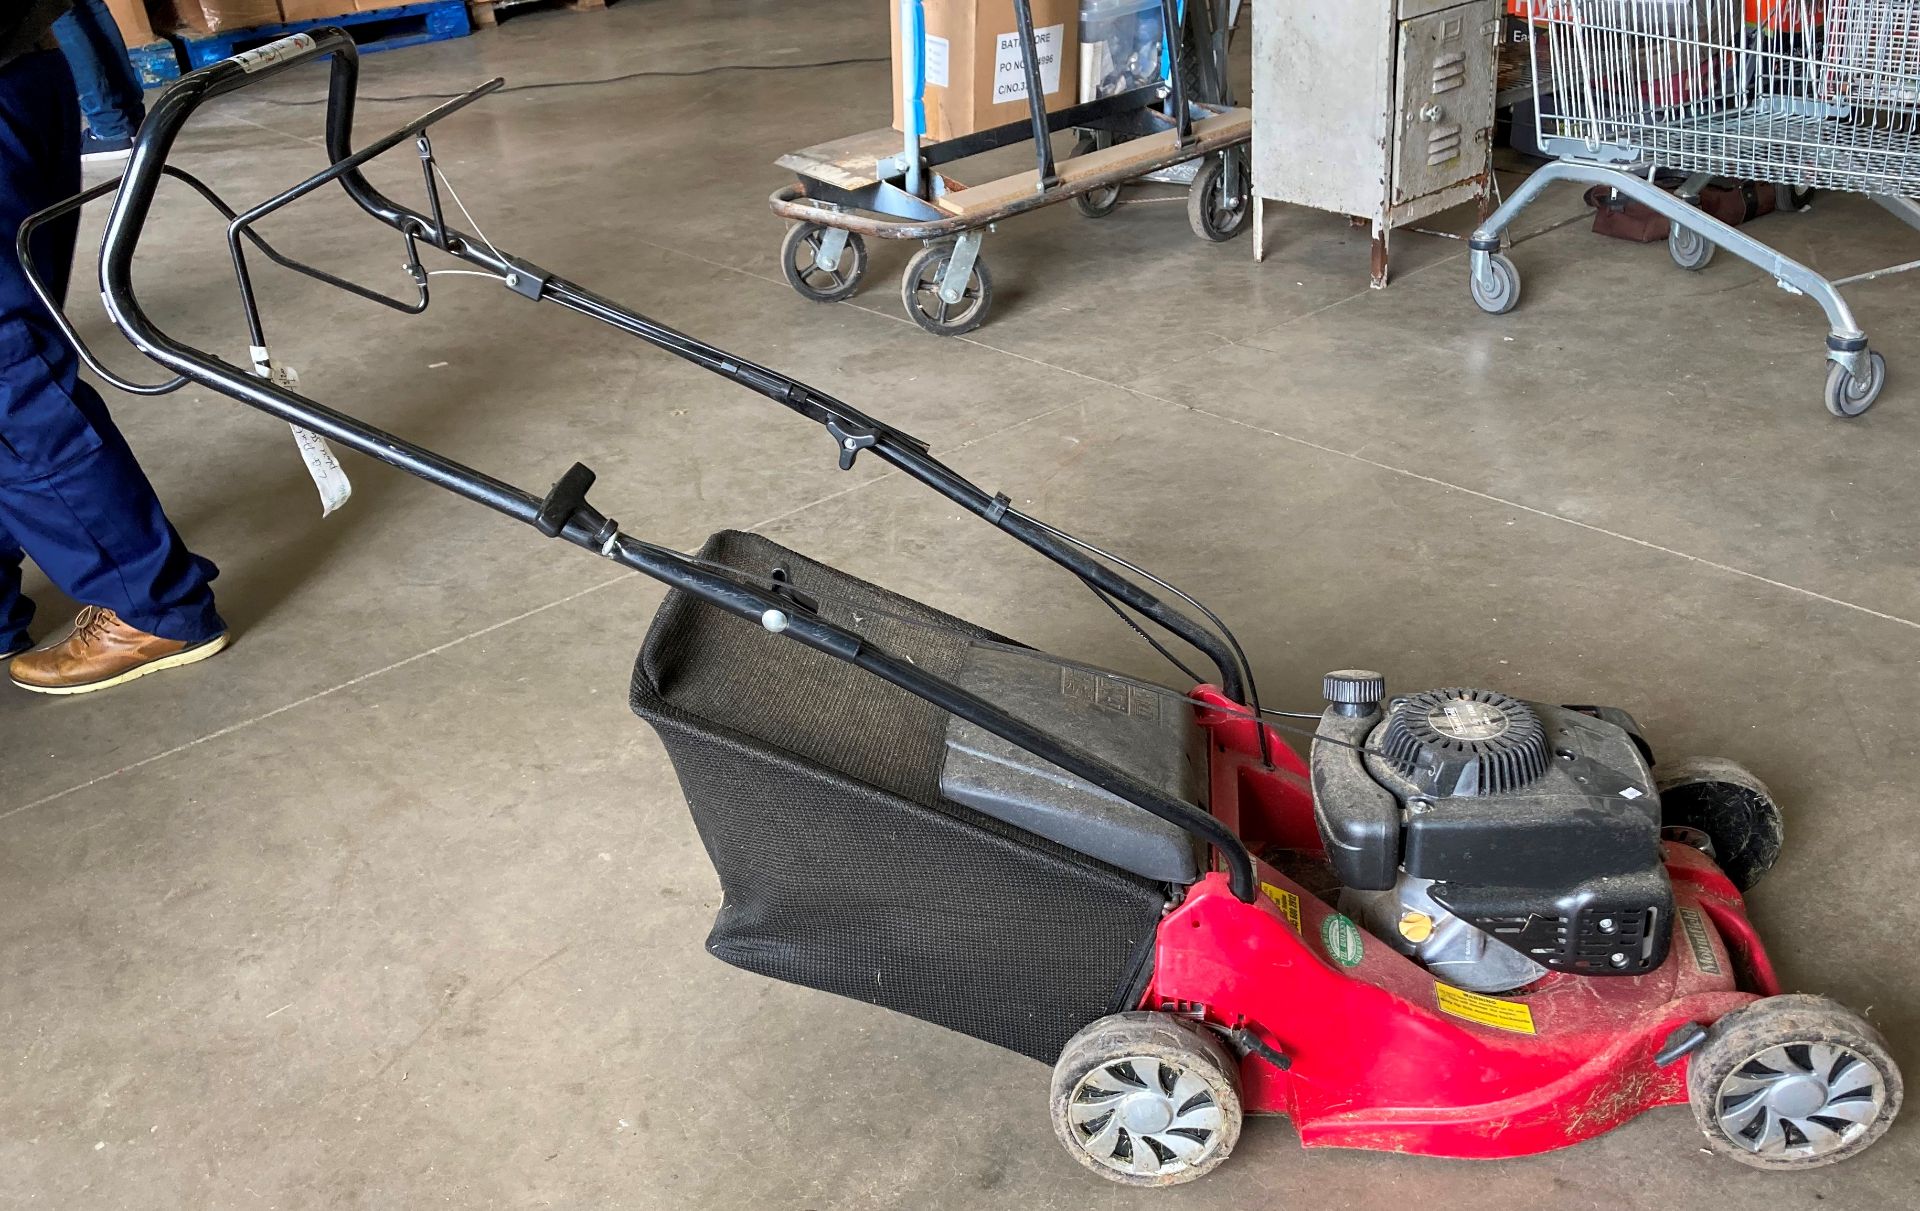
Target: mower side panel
x,y
1376,1062
1268,806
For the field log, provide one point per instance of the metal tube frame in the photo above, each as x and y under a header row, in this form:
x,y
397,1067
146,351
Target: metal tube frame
x,y
1846,343
1036,99
564,511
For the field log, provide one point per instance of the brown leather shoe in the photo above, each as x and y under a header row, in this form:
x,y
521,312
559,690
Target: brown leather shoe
x,y
101,652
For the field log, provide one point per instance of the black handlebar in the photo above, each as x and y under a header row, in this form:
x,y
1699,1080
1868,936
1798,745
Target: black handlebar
x,y
564,511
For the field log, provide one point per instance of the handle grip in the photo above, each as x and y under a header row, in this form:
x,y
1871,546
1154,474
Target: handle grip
x,y
181,100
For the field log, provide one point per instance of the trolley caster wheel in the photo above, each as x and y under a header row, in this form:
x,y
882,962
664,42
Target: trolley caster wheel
x,y
1216,211
1689,249
1499,292
1143,1100
920,291
1095,203
1850,396
799,264
1728,808
1793,1082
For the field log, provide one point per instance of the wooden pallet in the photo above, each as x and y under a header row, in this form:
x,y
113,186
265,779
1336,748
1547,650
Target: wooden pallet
x,y
485,14
156,63
374,30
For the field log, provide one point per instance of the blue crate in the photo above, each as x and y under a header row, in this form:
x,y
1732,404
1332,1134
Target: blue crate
x,y
156,63
374,30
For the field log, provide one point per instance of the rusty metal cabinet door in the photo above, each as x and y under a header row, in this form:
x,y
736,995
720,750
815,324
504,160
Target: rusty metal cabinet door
x,y
1444,116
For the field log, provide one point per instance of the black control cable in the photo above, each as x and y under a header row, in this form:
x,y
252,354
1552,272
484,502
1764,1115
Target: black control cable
x,y
539,85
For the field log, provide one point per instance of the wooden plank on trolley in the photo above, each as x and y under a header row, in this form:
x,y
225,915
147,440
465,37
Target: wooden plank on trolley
x,y
1131,158
850,163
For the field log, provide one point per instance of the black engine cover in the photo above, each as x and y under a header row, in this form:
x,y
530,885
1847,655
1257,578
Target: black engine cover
x,y
1539,824
1589,813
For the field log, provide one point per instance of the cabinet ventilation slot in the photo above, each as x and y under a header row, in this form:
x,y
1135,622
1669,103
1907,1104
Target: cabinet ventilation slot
x,y
1449,73
1443,145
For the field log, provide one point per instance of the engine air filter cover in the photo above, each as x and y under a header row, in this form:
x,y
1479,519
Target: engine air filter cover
x,y
1459,742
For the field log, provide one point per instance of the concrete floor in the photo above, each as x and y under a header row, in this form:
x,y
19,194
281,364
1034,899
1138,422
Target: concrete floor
x,y
396,905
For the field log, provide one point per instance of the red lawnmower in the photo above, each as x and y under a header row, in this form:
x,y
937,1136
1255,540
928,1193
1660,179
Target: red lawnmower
x,y
1464,925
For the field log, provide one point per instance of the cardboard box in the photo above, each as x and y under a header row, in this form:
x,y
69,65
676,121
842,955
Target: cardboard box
x,y
313,10
136,28
219,16
975,68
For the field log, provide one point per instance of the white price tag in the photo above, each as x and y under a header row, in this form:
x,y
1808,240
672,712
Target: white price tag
x,y
329,477
274,52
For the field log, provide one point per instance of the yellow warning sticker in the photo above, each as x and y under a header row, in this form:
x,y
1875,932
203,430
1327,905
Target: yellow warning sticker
x,y
1488,1011
1286,901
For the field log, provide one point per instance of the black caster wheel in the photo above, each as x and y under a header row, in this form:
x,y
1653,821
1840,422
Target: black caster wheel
x,y
799,263
1500,292
1095,203
920,292
1689,249
1218,209
1849,396
1793,1082
1730,809
1145,1100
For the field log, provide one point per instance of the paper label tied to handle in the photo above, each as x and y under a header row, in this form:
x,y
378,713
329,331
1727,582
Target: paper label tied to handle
x,y
329,477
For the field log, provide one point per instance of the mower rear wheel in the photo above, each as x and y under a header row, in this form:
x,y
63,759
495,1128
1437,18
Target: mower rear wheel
x,y
1145,1100
1731,808
1793,1082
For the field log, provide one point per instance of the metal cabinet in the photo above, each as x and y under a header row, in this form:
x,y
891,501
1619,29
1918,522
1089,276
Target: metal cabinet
x,y
1378,109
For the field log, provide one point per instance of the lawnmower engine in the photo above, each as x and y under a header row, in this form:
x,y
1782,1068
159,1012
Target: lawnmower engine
x,y
1492,840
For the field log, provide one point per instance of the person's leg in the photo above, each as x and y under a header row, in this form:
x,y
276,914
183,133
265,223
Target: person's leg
x,y
110,94
16,609
71,493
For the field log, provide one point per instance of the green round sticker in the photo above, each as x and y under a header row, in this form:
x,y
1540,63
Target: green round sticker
x,y
1342,940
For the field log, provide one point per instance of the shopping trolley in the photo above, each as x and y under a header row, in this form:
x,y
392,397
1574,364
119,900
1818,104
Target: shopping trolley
x,y
1802,93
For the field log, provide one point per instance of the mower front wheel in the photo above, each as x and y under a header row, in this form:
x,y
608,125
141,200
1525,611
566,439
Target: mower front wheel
x,y
1730,808
1145,1100
1793,1082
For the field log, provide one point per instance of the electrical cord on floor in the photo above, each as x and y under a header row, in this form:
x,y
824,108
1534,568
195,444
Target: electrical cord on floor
x,y
539,85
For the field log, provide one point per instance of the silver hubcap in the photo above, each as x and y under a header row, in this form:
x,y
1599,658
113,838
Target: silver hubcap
x,y
1145,1117
1800,1100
